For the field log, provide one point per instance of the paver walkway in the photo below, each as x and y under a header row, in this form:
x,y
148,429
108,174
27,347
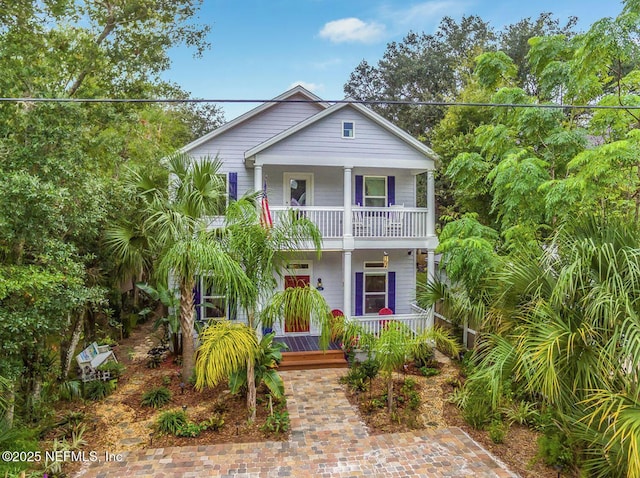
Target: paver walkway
x,y
327,440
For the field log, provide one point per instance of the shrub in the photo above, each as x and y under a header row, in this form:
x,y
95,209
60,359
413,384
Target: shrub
x,y
497,431
429,372
98,389
171,421
554,450
70,389
422,354
277,422
355,379
189,429
369,368
157,397
477,411
459,397
524,413
214,423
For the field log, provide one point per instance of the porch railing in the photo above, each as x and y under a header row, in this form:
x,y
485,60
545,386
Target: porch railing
x,y
367,222
418,321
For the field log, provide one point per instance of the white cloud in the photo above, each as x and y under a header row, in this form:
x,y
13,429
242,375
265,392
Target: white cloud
x,y
313,87
352,30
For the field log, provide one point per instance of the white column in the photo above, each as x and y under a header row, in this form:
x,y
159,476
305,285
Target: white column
x,y
431,204
346,279
347,218
257,177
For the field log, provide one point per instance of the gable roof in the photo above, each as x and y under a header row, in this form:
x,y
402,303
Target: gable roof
x,y
296,90
372,115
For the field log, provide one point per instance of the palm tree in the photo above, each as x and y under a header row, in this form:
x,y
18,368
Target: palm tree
x,y
397,342
176,221
263,252
569,333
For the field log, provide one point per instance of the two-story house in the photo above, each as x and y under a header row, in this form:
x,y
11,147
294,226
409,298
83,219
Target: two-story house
x,y
353,173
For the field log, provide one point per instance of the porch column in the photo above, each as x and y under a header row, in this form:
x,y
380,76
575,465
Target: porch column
x,y
347,218
257,177
346,282
431,204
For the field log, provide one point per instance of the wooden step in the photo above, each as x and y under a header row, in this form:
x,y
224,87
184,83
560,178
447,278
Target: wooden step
x,y
312,360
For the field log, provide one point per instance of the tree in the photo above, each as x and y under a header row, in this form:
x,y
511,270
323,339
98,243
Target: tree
x,y
263,253
396,342
176,219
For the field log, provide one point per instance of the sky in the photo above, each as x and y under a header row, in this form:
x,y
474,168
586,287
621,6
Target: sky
x,y
262,48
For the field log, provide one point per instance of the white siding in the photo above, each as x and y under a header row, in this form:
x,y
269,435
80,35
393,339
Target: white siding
x,y
324,139
401,263
231,145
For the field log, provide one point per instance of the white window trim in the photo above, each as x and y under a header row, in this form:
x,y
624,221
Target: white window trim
x,y
374,271
203,297
286,179
364,190
353,124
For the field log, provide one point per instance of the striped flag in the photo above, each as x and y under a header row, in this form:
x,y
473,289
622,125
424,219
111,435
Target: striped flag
x,y
265,214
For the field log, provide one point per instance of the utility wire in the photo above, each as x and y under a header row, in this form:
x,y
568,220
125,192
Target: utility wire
x,y
349,101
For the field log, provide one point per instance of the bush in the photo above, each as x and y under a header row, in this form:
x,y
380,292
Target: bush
x,y
277,422
477,411
157,397
429,372
422,354
369,368
497,431
523,413
554,449
98,389
214,423
171,421
189,429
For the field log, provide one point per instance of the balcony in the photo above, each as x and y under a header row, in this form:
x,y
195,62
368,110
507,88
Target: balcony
x,y
393,222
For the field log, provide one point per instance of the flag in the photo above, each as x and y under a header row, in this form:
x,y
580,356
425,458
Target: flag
x,y
265,214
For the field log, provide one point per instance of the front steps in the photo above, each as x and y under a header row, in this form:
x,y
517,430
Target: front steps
x,y
312,360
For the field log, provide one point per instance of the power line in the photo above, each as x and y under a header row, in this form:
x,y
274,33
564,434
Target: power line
x,y
349,101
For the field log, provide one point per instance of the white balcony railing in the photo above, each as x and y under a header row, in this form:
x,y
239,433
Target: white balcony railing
x,y
367,222
418,321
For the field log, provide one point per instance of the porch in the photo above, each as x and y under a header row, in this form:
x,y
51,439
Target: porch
x,y
305,353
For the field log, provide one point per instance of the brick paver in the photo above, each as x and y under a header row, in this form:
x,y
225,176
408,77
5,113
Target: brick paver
x,y
327,440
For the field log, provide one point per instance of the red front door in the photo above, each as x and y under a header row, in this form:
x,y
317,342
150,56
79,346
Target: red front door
x,y
295,325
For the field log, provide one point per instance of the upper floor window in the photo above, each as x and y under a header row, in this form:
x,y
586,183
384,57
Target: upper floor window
x,y
375,191
348,129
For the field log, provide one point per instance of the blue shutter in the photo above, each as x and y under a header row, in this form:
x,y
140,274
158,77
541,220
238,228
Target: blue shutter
x,y
391,291
197,298
359,291
359,188
233,186
391,190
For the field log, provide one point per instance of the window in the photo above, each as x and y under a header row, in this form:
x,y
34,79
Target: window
x,y
375,287
375,292
213,304
348,129
375,191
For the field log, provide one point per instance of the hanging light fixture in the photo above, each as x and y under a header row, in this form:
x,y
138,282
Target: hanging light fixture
x,y
385,259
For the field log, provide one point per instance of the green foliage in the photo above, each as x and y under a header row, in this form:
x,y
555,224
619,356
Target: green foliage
x,y
215,422
268,357
70,390
429,372
99,389
277,422
554,450
116,368
156,398
189,429
522,412
171,421
422,354
497,431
